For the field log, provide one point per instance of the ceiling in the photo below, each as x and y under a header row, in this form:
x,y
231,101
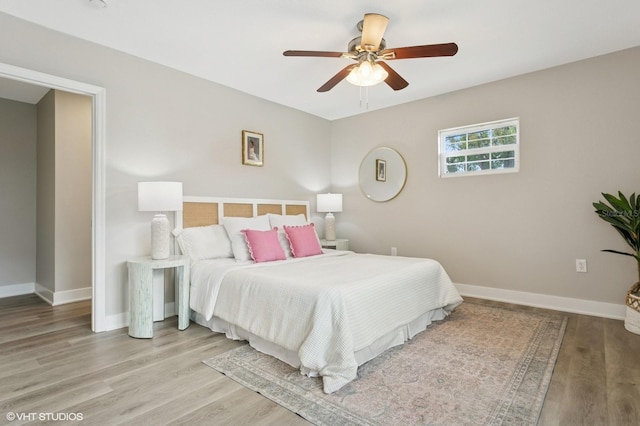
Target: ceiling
x,y
240,43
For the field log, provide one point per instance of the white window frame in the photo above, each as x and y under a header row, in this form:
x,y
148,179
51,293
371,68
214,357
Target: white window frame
x,y
443,155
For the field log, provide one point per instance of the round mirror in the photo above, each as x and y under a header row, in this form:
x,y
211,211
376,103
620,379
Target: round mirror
x,y
383,174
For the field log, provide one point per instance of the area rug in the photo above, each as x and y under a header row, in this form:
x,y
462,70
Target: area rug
x,y
482,365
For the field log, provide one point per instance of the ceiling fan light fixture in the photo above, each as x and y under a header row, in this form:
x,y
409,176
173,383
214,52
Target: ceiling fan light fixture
x,y
367,74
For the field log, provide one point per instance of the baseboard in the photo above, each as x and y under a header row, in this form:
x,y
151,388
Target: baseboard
x,y
62,297
70,296
44,293
16,289
114,322
170,310
564,304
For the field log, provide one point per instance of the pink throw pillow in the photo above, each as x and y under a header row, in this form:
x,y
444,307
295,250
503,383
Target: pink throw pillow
x,y
303,240
264,245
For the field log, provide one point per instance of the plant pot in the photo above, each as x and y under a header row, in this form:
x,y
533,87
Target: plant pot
x,y
632,320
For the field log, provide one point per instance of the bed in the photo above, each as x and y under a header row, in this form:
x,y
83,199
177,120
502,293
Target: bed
x,y
323,311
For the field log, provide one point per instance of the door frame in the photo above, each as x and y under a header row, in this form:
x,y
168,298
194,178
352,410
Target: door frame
x,y
98,167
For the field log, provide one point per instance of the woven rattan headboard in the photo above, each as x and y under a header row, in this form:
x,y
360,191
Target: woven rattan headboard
x,y
202,211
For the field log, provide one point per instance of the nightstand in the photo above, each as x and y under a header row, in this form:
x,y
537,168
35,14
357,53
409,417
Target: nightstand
x,y
141,292
337,244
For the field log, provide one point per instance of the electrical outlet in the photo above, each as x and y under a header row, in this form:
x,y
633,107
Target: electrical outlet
x,y
394,251
581,265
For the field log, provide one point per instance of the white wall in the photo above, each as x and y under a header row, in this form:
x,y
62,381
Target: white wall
x,y
522,231
17,195
164,124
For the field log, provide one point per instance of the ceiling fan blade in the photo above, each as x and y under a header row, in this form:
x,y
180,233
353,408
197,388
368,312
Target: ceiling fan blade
x,y
312,53
373,28
393,79
342,74
426,51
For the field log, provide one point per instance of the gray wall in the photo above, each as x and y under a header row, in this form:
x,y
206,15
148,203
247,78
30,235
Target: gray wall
x,y
520,231
73,191
46,194
517,231
163,124
17,193
63,193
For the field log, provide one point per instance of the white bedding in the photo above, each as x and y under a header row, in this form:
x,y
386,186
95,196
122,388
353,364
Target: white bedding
x,y
325,308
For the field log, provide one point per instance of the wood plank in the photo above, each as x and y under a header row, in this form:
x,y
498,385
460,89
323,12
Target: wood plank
x,y
59,365
623,374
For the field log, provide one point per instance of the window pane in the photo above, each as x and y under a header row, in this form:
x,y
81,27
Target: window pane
x,y
503,164
482,134
456,142
503,131
456,146
478,157
476,167
480,143
505,140
458,159
455,168
456,138
502,154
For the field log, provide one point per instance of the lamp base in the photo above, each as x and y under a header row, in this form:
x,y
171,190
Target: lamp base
x,y
329,227
160,234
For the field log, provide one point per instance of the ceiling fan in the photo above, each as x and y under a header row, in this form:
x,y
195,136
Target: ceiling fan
x,y
369,51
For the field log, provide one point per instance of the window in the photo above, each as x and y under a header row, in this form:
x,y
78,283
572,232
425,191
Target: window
x,y
480,149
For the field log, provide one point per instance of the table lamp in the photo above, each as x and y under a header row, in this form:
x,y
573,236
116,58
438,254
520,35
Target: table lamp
x,y
329,203
160,197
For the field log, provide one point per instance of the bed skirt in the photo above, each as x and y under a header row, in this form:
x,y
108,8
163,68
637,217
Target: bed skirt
x,y
394,338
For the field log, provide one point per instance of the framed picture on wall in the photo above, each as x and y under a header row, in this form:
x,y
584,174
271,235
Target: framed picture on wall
x,y
381,170
252,148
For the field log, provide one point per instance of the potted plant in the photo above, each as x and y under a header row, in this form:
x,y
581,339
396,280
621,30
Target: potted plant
x,y
624,215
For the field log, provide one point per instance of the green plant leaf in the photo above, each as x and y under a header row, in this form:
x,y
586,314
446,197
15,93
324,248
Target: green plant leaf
x,y
624,215
601,206
619,252
617,204
624,202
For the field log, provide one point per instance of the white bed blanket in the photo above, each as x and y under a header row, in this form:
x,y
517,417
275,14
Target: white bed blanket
x,y
324,307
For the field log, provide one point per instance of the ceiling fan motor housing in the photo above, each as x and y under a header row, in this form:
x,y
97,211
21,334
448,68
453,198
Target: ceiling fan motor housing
x,y
355,45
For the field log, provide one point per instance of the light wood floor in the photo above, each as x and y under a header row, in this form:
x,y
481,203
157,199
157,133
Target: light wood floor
x,y
51,362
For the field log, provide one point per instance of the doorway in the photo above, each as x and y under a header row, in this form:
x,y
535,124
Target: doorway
x,y
98,143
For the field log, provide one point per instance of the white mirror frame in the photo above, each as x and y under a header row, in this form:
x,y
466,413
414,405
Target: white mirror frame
x,y
383,174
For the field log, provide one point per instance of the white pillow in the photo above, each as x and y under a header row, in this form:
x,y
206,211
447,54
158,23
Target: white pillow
x,y
204,242
234,226
290,220
278,220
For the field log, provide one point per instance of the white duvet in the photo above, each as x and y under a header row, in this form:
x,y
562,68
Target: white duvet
x,y
323,307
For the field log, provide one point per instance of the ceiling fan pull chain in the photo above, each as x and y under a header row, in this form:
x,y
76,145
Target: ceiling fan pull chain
x,y
366,97
366,91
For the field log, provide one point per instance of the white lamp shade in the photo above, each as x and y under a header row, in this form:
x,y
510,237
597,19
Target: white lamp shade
x,y
159,196
329,203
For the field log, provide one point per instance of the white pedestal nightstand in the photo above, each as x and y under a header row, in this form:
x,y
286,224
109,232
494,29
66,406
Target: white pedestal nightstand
x,y
141,292
337,244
